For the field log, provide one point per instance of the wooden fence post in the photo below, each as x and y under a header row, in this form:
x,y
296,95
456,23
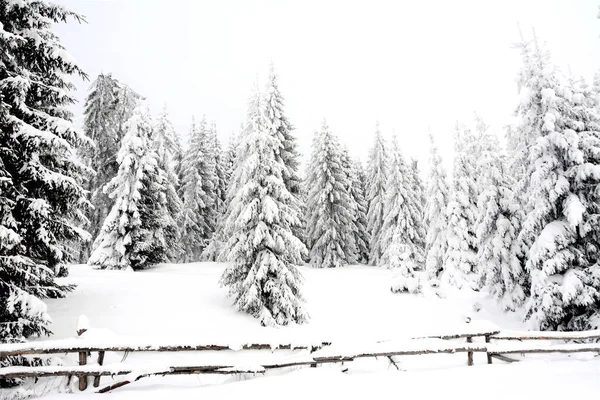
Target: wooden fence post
x,y
489,356
100,362
470,353
82,361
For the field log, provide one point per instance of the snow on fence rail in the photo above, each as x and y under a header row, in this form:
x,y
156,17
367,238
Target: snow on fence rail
x,y
320,353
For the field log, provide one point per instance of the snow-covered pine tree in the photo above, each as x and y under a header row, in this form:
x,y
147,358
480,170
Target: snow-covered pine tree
x,y
216,249
352,207
419,205
220,172
418,182
376,178
198,216
135,233
329,219
167,147
261,279
100,125
277,123
212,252
42,200
435,219
536,77
230,158
498,224
563,213
357,193
460,257
402,229
108,106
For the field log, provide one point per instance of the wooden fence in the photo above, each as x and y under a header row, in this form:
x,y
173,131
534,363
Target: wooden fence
x,y
504,343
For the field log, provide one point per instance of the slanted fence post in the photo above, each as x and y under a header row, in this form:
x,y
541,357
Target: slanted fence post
x,y
82,361
470,353
489,356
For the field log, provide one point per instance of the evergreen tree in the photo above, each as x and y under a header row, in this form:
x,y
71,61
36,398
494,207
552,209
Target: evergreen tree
x,y
357,193
418,189
278,124
563,212
220,172
100,125
460,257
135,234
498,225
212,251
230,158
402,228
419,185
167,147
261,278
42,200
536,77
198,216
435,219
329,206
376,178
352,207
108,106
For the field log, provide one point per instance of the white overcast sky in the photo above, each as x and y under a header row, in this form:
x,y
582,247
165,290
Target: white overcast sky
x,y
412,65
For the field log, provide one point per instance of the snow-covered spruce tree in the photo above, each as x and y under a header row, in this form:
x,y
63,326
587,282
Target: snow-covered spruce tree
x,y
536,77
260,278
277,123
402,229
135,234
347,169
498,224
220,171
167,147
108,106
460,257
563,213
418,188
329,220
215,244
216,249
357,193
376,178
100,126
435,219
41,196
419,185
198,216
230,158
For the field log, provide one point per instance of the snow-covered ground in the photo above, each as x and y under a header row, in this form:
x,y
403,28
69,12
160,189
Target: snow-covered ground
x,y
347,305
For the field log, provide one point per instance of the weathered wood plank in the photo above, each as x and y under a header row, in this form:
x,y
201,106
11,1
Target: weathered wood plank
x,y
544,335
57,348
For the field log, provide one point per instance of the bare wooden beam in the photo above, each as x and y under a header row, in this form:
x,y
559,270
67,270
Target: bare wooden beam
x,y
57,348
503,358
543,335
563,348
489,356
460,335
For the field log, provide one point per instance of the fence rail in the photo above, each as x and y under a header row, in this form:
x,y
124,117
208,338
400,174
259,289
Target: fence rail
x,y
320,353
